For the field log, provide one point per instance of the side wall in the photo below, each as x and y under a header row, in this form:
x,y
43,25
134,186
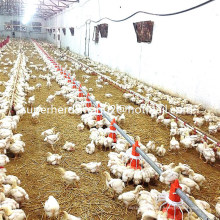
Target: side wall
x,y
183,58
29,33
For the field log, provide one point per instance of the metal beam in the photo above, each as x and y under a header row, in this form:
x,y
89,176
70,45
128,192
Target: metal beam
x,y
69,1
15,7
57,6
63,4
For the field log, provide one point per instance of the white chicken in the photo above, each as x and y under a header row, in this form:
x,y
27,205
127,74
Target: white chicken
x,y
69,177
2,195
69,146
138,177
209,155
185,168
213,128
17,148
38,86
121,118
52,207
170,175
48,132
129,197
169,166
151,146
18,193
14,214
117,185
108,142
52,139
198,121
80,126
4,144
201,204
186,141
6,189
217,207
108,95
185,189
174,144
3,160
160,151
31,100
128,175
53,159
67,216
149,214
9,179
49,84
173,124
198,178
93,167
173,131
16,137
50,99
90,148
4,133
188,182
201,147
10,203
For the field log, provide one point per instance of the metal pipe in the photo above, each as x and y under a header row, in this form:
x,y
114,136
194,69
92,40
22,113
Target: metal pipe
x,y
153,165
192,205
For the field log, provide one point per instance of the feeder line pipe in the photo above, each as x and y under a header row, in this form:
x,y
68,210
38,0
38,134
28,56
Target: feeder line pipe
x,y
184,197
18,70
153,165
192,205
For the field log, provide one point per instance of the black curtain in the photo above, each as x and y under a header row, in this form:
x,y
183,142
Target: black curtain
x,y
144,31
72,31
103,28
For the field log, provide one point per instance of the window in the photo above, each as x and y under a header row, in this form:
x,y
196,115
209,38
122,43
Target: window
x,y
16,25
36,26
64,31
8,26
23,28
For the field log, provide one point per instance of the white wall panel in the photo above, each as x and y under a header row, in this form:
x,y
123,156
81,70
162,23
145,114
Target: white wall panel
x,y
183,58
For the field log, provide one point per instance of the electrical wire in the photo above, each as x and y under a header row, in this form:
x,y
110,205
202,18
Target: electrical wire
x,y
149,13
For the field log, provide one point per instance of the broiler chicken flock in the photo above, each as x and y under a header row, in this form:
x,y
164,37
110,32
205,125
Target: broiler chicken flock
x,y
99,136
118,168
13,102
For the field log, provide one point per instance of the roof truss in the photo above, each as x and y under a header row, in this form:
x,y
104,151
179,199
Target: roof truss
x,y
45,8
